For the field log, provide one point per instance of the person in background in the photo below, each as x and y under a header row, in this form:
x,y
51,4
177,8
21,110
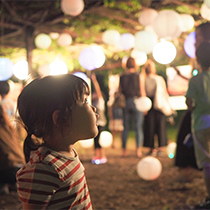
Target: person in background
x,y
99,102
155,120
198,100
56,114
11,154
132,86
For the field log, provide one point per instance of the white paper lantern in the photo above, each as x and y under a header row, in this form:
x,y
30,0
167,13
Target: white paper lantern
x,y
105,139
168,24
86,143
127,41
140,57
82,76
145,41
187,21
64,39
189,44
20,69
147,16
149,168
143,104
205,12
111,37
6,69
164,52
54,35
58,67
100,56
72,7
43,41
171,149
207,3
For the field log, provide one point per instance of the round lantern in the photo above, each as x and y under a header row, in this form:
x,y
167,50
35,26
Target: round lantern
x,y
143,104
205,12
147,16
64,39
164,52
43,41
105,139
189,45
6,69
72,7
100,56
127,41
187,21
149,168
86,143
145,41
140,57
171,149
168,24
20,69
82,76
88,58
58,67
207,3
54,35
111,37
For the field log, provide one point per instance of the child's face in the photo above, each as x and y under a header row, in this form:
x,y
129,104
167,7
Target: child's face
x,y
84,120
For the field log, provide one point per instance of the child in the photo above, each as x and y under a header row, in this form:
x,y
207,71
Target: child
x,y
56,114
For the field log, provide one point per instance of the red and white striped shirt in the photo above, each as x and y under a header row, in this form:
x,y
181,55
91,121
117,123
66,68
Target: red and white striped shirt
x,y
53,180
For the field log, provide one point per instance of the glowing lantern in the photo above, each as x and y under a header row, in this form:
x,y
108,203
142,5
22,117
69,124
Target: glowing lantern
x,y
187,21
168,24
189,45
43,41
100,56
207,3
20,69
127,41
86,143
6,69
140,57
54,35
44,70
149,168
111,37
58,67
72,7
82,76
205,12
145,41
164,52
143,104
147,17
171,149
105,139
124,61
64,39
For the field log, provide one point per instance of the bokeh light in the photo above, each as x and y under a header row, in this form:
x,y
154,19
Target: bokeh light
x,y
6,69
58,67
20,69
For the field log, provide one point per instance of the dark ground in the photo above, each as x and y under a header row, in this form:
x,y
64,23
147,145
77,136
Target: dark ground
x,y
116,185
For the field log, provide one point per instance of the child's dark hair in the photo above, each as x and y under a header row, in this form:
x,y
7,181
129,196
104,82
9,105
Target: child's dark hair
x,y
4,88
131,63
39,99
202,54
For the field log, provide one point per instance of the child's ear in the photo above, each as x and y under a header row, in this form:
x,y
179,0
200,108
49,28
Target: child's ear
x,y
55,117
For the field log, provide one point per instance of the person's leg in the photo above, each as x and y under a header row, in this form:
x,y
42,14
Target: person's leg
x,y
126,121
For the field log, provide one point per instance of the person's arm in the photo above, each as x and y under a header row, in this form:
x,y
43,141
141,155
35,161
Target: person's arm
x,y
189,103
142,85
96,85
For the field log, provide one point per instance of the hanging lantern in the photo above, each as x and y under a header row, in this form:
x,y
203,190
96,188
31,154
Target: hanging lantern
x,y
205,12
168,24
58,67
54,35
72,7
43,41
140,57
207,3
20,69
6,69
147,16
64,39
127,41
111,37
189,45
188,22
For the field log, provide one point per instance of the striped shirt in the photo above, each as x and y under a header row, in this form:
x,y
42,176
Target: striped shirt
x,y
53,180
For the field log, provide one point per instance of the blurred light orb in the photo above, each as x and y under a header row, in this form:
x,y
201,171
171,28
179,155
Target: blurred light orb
x,y
127,41
58,67
44,70
171,149
207,3
111,37
82,76
20,69
100,56
147,16
105,139
149,168
43,41
64,39
205,12
187,21
164,52
54,35
140,57
72,7
143,104
189,44
86,143
6,69
145,41
168,24
124,61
